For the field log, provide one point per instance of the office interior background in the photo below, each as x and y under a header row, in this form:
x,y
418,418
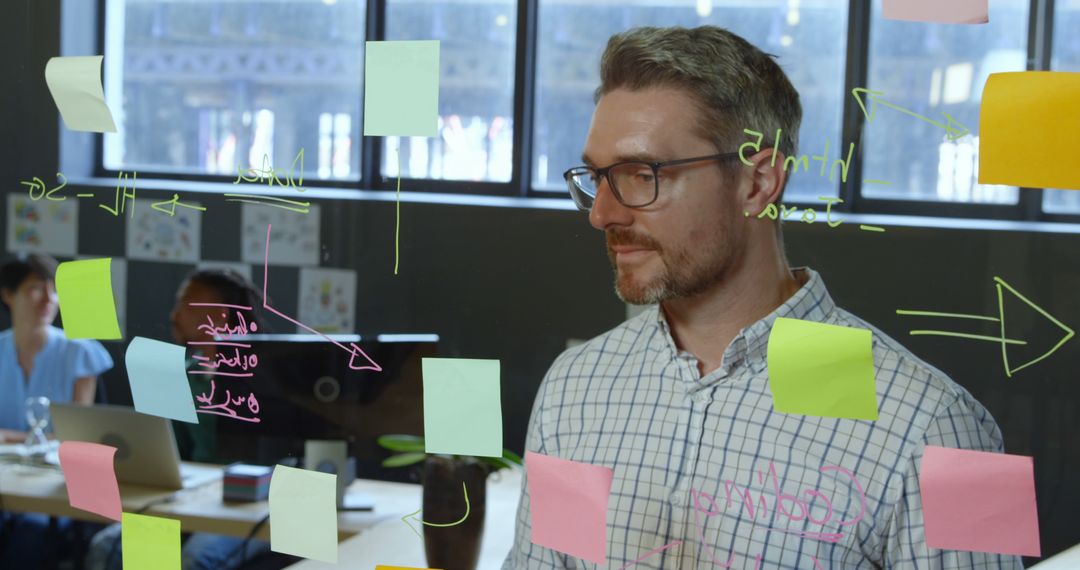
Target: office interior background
x,y
493,256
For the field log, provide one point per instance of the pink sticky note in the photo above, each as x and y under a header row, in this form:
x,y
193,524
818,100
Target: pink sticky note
x,y
569,505
947,12
979,501
91,477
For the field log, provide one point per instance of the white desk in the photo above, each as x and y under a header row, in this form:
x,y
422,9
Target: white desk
x,y
390,542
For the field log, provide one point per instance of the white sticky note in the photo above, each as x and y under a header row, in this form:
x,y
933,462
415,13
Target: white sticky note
x,y
75,84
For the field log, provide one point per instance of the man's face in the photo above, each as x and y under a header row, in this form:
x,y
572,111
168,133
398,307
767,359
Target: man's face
x,y
34,302
687,241
186,319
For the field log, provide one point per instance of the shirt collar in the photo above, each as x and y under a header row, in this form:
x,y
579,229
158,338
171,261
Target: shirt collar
x,y
811,302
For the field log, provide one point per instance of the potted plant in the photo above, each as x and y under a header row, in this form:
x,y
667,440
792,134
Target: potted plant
x,y
451,539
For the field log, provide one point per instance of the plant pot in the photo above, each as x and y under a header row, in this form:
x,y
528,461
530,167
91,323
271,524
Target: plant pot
x,y
454,547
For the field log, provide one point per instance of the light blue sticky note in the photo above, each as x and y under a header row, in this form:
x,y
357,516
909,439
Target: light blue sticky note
x,y
158,379
462,407
401,88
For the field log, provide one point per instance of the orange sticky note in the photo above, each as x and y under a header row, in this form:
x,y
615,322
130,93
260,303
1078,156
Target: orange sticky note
x,y
1027,129
979,501
90,477
936,11
568,505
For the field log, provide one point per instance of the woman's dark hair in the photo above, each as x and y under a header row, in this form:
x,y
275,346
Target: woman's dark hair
x,y
233,289
17,270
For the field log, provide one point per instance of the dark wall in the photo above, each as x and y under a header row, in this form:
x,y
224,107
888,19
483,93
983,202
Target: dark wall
x,y
515,284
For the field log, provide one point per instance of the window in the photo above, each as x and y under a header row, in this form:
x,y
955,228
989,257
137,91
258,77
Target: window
x,y
476,89
1066,57
808,39
207,87
930,69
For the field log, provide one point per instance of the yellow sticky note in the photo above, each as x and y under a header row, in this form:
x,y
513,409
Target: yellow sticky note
x,y
87,307
150,543
401,88
1027,129
817,369
75,84
303,513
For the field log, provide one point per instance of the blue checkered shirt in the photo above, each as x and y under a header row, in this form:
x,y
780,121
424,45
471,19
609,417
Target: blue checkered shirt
x,y
706,467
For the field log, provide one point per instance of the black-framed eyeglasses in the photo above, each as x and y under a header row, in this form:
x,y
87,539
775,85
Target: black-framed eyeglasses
x,y
635,183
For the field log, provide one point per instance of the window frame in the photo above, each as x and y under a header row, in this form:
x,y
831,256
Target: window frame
x,y
856,70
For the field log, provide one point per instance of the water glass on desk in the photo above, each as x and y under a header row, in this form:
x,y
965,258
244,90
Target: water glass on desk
x,y
37,417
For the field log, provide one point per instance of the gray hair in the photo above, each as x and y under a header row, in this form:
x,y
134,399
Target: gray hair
x,y
736,85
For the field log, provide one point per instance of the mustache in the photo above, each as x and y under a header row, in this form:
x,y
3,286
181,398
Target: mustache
x,y
621,236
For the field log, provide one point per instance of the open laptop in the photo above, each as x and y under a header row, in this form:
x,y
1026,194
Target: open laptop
x,y
146,451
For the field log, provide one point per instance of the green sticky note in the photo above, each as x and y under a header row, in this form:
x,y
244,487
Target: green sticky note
x,y
149,543
86,299
824,370
462,407
303,513
401,88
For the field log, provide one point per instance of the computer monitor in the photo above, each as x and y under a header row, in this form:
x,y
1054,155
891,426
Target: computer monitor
x,y
305,389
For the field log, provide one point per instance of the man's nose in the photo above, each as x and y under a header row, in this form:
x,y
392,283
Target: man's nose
x,y
607,211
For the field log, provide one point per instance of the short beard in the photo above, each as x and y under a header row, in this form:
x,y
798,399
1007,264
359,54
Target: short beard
x,y
680,278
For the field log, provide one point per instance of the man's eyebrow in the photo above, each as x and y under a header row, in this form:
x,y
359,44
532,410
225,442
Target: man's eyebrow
x,y
634,157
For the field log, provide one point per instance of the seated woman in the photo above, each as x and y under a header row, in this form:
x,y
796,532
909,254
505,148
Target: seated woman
x,y
197,442
36,359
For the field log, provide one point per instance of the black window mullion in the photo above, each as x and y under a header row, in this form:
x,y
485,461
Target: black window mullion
x,y
524,96
1039,50
371,147
856,70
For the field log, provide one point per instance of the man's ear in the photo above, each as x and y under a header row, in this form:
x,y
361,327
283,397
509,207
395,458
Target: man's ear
x,y
6,297
767,178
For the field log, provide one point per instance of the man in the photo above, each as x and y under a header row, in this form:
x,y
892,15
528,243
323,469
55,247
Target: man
x,y
676,400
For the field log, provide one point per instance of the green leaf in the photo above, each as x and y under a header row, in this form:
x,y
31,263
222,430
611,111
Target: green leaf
x,y
497,463
403,459
510,455
401,442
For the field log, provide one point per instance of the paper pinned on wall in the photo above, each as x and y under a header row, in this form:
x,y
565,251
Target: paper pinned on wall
x,y
90,477
1027,129
462,407
155,236
817,369
149,542
75,84
303,513
935,11
158,379
87,306
401,88
568,505
327,300
42,226
295,238
979,501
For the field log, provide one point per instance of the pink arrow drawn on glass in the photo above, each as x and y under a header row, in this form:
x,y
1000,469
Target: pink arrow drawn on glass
x,y
352,349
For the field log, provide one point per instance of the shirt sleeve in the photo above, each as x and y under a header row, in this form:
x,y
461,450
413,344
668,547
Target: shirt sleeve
x,y
964,424
88,358
524,554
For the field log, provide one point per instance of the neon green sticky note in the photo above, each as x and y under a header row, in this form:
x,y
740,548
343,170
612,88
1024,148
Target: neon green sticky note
x,y
149,542
462,407
817,369
86,299
401,88
303,513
